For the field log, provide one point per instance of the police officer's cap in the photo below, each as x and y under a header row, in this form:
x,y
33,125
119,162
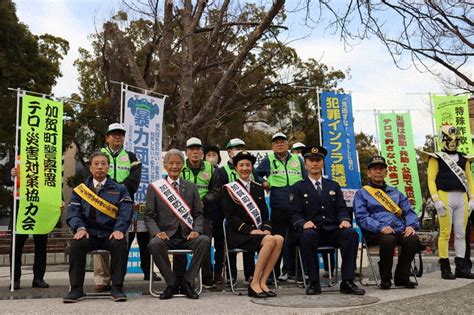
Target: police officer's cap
x,y
314,151
193,142
236,142
244,155
116,127
279,136
376,160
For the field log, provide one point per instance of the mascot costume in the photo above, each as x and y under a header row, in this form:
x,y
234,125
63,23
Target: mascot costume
x,y
451,188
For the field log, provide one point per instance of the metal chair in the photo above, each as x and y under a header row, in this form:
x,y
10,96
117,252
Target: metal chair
x,y
173,252
374,250
322,250
236,291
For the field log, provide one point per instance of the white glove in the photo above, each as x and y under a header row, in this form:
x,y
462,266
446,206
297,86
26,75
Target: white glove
x,y
471,206
440,208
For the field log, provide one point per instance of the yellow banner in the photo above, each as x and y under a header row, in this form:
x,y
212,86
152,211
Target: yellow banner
x,y
384,200
99,203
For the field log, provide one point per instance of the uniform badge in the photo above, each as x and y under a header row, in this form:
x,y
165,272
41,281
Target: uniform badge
x,y
332,192
305,195
205,175
124,158
294,164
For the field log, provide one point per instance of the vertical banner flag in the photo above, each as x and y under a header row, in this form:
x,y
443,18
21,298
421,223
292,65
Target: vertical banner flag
x,y
143,120
396,139
339,139
40,165
453,110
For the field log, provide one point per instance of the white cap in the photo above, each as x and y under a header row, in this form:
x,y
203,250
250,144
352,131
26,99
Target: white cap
x,y
193,142
279,135
234,143
297,146
116,126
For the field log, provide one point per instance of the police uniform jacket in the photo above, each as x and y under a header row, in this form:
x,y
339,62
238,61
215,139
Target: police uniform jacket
x,y
326,212
239,222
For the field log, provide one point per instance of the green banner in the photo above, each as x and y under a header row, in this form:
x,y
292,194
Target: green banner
x,y
454,110
396,139
40,165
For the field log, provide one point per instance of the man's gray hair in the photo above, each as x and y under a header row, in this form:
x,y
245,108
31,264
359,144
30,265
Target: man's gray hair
x,y
96,154
173,152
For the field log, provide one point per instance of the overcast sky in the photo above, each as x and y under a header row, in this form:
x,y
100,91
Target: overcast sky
x,y
375,82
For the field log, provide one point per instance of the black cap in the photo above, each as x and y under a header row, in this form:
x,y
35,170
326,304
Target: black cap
x,y
213,148
314,151
244,155
376,160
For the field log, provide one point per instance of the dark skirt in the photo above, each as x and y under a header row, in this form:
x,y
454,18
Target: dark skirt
x,y
247,242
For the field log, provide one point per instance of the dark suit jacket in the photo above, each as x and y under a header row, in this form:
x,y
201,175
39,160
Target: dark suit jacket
x,y
159,218
239,222
326,212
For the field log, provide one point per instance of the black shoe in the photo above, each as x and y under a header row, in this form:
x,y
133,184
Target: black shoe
x,y
16,285
218,278
117,294
258,295
208,284
75,295
39,283
169,292
446,269
313,289
405,283
349,287
270,293
189,291
385,284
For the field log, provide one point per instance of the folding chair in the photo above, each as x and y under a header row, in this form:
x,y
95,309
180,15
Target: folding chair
x,y
374,250
173,252
236,291
323,250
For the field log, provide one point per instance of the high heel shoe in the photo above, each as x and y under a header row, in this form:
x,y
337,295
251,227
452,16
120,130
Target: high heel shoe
x,y
259,295
270,293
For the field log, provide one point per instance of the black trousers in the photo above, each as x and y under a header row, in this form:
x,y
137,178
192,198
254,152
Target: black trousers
x,y
409,247
281,225
143,238
39,265
347,240
467,256
77,258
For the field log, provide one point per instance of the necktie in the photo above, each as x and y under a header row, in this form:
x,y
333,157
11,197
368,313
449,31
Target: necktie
x,y
176,186
318,189
98,187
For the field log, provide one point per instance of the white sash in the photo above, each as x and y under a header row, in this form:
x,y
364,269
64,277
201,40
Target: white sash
x,y
175,203
239,193
458,171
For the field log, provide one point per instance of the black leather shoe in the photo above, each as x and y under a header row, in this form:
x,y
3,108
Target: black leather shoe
x,y
259,295
313,289
349,287
407,284
270,293
117,294
169,292
75,295
385,284
39,283
189,291
16,285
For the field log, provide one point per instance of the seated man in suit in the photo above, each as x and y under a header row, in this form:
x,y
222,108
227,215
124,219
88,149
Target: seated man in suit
x,y
318,213
387,219
99,213
175,219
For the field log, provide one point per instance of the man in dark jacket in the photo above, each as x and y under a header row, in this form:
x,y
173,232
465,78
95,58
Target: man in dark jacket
x,y
318,213
99,214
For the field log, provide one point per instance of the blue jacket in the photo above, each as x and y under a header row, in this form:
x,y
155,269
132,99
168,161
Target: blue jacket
x,y
79,210
279,196
372,216
326,212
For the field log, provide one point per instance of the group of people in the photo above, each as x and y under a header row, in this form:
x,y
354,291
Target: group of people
x,y
186,209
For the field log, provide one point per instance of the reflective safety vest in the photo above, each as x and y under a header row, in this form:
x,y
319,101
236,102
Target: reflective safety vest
x,y
231,173
120,165
202,179
284,174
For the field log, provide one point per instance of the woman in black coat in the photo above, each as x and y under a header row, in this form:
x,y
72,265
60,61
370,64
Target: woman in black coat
x,y
248,225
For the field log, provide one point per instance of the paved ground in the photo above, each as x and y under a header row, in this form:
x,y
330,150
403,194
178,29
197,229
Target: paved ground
x,y
434,296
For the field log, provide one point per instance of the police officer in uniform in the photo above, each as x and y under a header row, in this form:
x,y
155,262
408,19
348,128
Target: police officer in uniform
x,y
318,213
282,170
